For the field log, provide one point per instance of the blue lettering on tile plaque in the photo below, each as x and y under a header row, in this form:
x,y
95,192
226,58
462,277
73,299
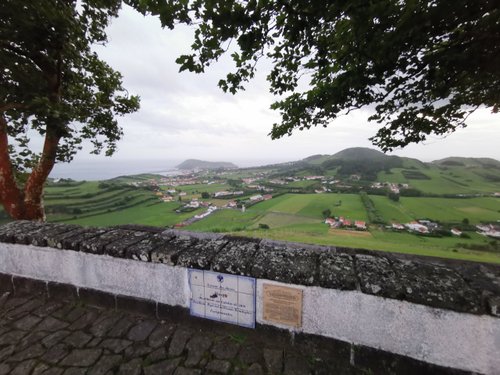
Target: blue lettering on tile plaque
x,y
222,297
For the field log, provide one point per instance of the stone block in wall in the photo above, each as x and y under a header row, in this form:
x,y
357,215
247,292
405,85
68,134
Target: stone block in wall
x,y
164,248
71,240
11,231
198,253
119,247
49,231
417,282
336,270
484,277
288,263
96,244
57,238
237,257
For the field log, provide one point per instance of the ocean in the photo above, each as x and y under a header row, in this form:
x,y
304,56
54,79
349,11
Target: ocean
x,y
93,170
105,169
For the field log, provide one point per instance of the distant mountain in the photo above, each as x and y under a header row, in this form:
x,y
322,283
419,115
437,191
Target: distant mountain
x,y
316,159
457,161
351,154
361,153
201,164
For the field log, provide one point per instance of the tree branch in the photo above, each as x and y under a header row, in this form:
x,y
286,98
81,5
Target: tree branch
x,y
39,59
8,106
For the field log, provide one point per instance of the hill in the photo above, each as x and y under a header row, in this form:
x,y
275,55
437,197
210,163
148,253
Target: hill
x,y
201,164
365,162
469,162
454,175
361,154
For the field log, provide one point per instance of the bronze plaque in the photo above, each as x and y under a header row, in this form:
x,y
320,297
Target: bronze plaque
x,y
283,305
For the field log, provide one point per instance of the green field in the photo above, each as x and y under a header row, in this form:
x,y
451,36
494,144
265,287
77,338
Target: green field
x,y
298,217
452,180
91,203
392,211
158,214
378,240
449,210
302,184
199,188
283,211
453,210
291,217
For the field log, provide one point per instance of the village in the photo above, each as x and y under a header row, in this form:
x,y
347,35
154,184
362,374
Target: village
x,y
258,186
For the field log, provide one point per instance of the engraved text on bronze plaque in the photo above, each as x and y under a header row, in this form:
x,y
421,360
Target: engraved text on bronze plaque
x,y
282,305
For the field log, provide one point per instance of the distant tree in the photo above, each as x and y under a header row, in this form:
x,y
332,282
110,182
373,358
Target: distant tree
x,y
326,213
393,196
424,66
205,195
410,192
53,83
234,183
465,221
263,226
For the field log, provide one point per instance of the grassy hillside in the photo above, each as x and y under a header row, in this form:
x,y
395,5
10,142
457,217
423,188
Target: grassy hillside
x,y
447,176
445,180
155,214
298,217
448,191
202,164
72,202
468,162
286,210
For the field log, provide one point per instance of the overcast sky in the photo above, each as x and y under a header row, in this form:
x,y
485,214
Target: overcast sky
x,y
185,115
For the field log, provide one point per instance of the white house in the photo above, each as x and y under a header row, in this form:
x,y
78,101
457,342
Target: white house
x,y
416,227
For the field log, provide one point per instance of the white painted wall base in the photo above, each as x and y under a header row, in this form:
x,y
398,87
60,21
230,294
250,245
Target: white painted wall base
x,y
154,281
442,337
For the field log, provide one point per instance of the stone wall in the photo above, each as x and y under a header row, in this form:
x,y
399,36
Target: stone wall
x,y
439,311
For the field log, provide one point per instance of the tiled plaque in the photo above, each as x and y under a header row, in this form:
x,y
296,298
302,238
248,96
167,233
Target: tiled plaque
x,y
222,297
282,305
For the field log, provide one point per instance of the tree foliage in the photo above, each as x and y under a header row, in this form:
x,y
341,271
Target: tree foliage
x,y
326,213
393,196
422,65
53,83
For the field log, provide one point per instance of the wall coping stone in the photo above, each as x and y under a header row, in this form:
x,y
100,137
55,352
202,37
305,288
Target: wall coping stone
x,y
449,284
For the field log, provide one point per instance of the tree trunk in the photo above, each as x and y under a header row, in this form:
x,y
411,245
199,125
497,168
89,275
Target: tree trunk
x,y
25,204
33,190
11,196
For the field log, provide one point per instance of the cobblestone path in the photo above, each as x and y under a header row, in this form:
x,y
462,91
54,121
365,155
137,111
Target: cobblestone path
x,y
40,336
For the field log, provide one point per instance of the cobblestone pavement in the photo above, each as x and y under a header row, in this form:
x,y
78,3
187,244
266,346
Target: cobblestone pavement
x,y
39,336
